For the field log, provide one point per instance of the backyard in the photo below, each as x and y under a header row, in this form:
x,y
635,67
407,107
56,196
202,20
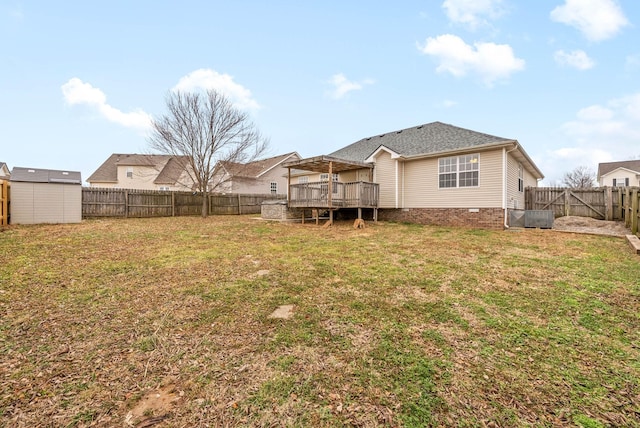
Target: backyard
x,y
166,323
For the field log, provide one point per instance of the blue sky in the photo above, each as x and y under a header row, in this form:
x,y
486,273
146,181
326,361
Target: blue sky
x,y
80,80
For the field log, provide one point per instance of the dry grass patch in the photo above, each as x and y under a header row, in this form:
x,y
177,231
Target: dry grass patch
x,y
165,322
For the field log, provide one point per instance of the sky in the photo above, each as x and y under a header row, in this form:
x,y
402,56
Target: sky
x,y
80,80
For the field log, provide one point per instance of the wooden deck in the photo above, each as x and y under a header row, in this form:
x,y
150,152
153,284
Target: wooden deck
x,y
358,194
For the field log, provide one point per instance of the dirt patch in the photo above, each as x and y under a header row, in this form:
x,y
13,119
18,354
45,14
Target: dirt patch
x,y
590,226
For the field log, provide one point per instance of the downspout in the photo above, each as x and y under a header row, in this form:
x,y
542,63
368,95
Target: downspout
x,y
396,184
505,152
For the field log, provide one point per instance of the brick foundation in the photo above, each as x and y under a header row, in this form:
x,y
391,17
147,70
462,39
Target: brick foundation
x,y
484,218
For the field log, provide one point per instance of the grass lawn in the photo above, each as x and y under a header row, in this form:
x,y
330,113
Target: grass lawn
x,y
165,322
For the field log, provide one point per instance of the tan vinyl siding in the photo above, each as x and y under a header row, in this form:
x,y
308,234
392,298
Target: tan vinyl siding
x,y
385,176
515,199
33,203
421,185
620,175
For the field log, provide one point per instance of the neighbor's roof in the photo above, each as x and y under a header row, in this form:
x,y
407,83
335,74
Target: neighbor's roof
x,y
257,168
607,167
33,175
168,167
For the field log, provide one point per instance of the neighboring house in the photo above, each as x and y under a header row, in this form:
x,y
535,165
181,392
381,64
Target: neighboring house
x,y
45,196
619,174
435,174
4,171
145,172
262,176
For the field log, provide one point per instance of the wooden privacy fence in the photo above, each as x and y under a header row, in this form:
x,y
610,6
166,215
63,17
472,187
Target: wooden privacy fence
x,y
604,203
100,202
4,202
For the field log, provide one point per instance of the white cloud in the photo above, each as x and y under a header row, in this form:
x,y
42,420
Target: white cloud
x,y
75,92
342,85
596,19
473,13
599,133
492,62
449,103
206,78
576,59
632,62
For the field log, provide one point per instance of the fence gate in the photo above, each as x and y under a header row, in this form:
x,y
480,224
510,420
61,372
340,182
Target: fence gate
x,y
594,203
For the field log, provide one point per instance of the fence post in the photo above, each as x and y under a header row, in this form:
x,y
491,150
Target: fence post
x,y
126,203
634,211
567,204
608,203
239,205
620,207
4,197
627,207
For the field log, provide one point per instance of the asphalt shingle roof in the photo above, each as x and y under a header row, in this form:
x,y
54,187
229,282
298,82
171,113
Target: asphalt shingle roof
x,y
108,171
606,167
430,138
33,175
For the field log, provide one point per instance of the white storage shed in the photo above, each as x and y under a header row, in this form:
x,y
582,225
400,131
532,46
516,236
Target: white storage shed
x,y
45,196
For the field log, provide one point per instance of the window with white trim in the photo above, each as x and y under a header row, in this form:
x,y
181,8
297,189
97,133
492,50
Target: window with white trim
x,y
459,171
620,182
303,180
129,172
325,177
274,188
520,178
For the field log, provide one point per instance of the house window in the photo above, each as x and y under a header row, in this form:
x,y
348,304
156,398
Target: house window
x,y
164,188
274,188
458,171
520,178
621,182
129,172
303,180
325,177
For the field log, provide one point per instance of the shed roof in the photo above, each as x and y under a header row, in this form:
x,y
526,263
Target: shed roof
x,y
33,175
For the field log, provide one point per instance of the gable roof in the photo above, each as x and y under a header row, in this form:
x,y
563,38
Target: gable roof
x,y
169,167
33,175
257,168
607,167
430,138
4,167
172,170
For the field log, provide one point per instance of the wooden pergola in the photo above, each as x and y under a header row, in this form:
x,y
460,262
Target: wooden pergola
x,y
361,194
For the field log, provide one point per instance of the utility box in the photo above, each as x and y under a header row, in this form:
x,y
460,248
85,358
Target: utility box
x,y
539,218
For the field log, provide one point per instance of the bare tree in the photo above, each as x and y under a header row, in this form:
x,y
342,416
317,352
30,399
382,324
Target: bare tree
x,y
203,131
581,177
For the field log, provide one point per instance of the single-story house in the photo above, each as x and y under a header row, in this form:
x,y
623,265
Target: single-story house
x,y
262,176
45,196
144,172
434,173
619,174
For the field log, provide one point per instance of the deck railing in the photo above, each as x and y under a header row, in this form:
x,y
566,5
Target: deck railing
x,y
357,194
